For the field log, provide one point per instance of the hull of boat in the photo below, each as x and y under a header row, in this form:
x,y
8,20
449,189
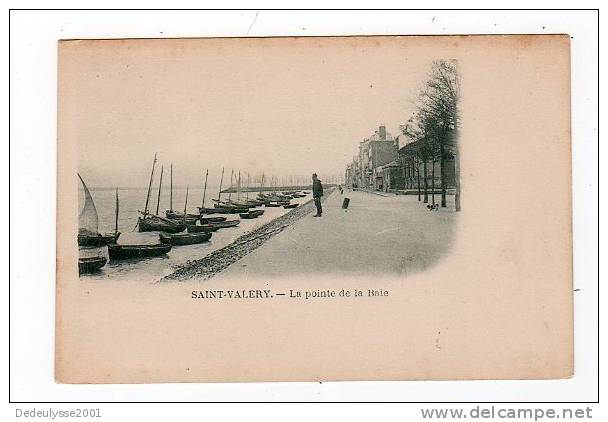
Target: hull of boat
x,y
118,252
188,221
184,238
91,265
225,224
153,225
176,215
252,214
99,240
202,228
211,210
288,206
207,220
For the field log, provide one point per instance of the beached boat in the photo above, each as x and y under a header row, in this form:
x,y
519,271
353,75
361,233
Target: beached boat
x,y
206,220
218,210
202,228
231,208
175,215
118,252
88,223
252,214
187,221
213,226
99,239
227,223
288,206
91,264
150,222
154,223
273,204
184,238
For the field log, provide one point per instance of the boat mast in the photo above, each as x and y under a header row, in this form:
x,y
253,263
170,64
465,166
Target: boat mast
x,y
220,192
116,221
230,193
171,192
160,185
186,204
149,187
238,188
247,191
205,189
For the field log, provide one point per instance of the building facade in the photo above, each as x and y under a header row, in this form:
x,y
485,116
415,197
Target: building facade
x,y
375,151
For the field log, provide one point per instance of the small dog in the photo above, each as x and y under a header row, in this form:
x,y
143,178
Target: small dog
x,y
433,207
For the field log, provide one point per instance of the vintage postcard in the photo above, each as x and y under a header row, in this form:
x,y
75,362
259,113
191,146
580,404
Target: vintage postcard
x,y
314,209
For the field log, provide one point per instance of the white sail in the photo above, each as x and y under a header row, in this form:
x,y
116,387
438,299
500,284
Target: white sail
x,y
88,220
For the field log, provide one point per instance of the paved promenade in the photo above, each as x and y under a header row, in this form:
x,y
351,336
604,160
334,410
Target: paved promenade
x,y
377,234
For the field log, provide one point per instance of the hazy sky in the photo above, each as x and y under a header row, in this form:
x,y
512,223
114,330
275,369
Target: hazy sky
x,y
288,106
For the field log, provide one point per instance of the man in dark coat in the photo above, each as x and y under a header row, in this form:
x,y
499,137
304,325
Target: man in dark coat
x,y
317,193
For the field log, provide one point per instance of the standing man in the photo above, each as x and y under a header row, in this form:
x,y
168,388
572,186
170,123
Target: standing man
x,y
317,193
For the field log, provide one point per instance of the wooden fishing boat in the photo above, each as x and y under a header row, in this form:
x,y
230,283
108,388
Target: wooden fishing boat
x,y
118,252
213,226
227,223
218,210
288,206
88,223
154,223
150,222
91,264
252,214
189,221
174,215
184,238
273,204
232,209
202,228
206,220
97,240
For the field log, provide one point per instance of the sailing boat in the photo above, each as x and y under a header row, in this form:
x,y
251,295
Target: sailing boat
x,y
170,213
202,209
217,209
227,207
150,222
185,238
88,223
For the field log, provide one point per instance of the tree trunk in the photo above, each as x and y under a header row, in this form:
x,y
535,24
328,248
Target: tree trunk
x,y
457,180
426,183
457,172
433,183
418,176
442,170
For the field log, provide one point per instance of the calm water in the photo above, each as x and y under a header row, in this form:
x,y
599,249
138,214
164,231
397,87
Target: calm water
x,y
152,269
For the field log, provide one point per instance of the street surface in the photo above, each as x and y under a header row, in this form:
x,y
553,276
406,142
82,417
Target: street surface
x,y
385,233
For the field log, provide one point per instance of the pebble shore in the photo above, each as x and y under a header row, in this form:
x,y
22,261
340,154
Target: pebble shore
x,y
216,261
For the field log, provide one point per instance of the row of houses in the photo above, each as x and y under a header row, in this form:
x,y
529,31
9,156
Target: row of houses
x,y
383,165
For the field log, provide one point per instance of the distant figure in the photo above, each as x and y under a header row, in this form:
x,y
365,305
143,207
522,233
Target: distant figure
x,y
317,193
340,189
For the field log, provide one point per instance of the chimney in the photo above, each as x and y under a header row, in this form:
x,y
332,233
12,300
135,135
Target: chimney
x,y
382,132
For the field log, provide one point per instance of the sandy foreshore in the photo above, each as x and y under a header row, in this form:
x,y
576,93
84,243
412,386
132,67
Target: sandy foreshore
x,y
217,261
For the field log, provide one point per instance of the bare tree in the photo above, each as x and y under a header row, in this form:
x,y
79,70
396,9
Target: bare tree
x,y
438,108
